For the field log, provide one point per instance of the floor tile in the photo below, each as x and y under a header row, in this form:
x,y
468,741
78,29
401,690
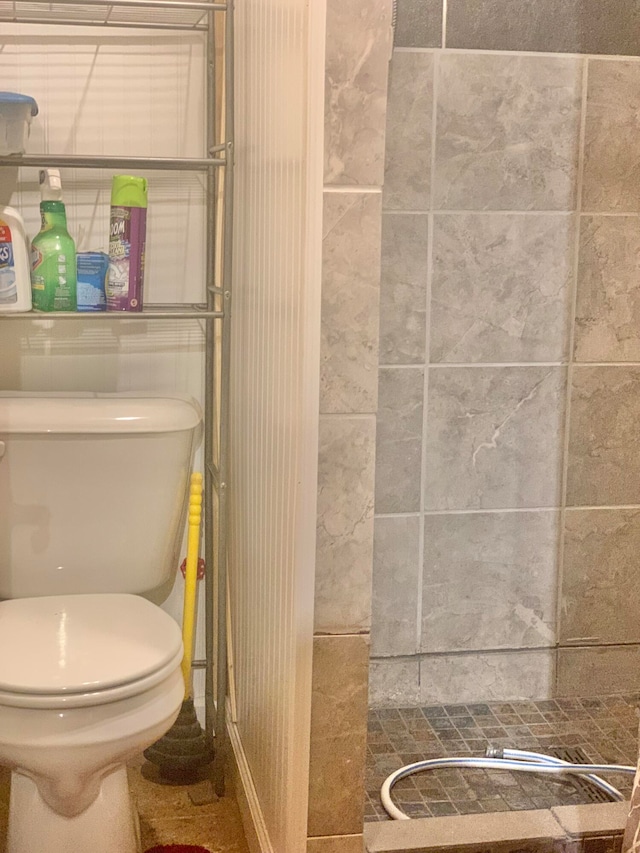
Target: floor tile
x,y
604,728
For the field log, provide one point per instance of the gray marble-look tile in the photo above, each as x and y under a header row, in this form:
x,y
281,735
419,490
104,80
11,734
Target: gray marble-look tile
x,y
395,586
403,288
338,735
350,300
598,671
494,437
356,71
399,440
600,577
572,26
489,581
419,23
501,287
407,174
508,129
608,299
394,683
477,677
612,138
603,464
344,543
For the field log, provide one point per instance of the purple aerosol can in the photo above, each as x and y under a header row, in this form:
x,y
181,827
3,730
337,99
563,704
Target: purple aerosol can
x,y
127,239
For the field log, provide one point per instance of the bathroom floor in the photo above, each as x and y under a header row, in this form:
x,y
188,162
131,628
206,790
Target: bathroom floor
x,y
167,815
605,729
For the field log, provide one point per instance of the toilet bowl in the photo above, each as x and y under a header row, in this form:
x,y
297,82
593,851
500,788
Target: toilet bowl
x,y
93,492
91,681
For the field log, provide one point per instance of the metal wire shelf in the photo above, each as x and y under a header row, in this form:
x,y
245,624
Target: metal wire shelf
x,y
149,312
148,14
81,161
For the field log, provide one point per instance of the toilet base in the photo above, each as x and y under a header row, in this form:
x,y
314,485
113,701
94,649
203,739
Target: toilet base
x,y
109,825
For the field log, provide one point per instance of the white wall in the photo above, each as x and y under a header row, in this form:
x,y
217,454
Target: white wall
x,y
275,369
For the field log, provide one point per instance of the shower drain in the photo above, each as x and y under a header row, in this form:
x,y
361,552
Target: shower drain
x,y
575,755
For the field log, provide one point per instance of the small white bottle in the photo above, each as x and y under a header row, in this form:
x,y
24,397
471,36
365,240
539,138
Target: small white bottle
x,y
15,275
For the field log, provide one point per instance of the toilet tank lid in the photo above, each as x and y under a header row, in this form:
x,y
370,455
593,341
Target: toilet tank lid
x,y
36,413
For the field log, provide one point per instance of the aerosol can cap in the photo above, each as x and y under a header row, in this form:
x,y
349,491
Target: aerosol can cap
x,y
128,191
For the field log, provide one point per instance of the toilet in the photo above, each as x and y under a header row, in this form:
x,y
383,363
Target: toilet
x,y
93,491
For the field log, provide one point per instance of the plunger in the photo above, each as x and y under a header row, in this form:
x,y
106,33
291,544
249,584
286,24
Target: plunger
x,y
185,749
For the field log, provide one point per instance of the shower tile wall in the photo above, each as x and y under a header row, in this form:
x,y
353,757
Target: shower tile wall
x,y
507,498
357,66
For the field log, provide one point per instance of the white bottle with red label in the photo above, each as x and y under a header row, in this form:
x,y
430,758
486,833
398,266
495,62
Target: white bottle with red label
x,y
15,270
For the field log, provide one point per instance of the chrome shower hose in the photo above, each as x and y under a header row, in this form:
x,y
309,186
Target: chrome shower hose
x,y
506,759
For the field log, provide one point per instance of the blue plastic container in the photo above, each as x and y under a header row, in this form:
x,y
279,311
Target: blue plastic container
x,y
16,112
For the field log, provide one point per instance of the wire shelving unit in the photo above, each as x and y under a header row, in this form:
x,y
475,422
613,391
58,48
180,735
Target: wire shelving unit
x,y
214,312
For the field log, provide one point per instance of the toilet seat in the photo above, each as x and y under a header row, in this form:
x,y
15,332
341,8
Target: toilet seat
x,y
80,650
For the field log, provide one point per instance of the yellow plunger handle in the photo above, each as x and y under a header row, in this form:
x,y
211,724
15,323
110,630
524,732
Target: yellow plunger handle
x,y
191,577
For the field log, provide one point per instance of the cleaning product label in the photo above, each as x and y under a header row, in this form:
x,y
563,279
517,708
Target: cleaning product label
x,y
93,268
126,258
8,286
53,281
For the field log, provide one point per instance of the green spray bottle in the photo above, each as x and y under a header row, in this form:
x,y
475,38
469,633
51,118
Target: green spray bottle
x,y
53,252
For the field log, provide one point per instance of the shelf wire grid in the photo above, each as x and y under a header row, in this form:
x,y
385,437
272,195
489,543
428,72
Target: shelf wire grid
x,y
149,14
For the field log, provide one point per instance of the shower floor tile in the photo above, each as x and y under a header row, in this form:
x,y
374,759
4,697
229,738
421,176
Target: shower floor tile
x,y
604,728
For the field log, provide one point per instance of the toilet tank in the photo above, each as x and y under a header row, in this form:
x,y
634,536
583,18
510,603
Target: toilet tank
x,y
93,491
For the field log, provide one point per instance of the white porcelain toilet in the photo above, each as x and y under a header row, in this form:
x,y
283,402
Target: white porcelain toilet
x,y
92,499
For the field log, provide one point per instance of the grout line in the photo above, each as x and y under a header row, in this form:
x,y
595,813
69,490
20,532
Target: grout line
x,y
446,365
466,652
423,443
571,645
608,507
587,364
416,49
570,368
357,415
454,365
405,212
445,211
351,188
627,214
401,366
325,635
491,510
605,57
444,23
427,347
415,514
511,510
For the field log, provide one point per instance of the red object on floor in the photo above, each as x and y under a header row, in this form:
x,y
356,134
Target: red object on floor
x,y
177,848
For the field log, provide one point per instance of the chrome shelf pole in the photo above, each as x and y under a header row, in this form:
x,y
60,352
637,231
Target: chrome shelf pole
x,y
223,462
210,379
